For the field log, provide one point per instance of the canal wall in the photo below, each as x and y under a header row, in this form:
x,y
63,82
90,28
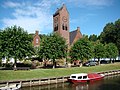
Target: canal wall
x,y
52,80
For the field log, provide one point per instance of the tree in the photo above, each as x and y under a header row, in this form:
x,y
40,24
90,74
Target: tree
x,y
111,34
108,34
111,51
53,47
93,38
0,46
16,43
117,39
81,50
99,51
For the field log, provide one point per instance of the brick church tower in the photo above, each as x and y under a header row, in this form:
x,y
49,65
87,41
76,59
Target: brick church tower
x,y
61,22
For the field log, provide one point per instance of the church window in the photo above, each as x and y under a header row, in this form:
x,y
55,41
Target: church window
x,y
56,27
36,40
63,27
66,27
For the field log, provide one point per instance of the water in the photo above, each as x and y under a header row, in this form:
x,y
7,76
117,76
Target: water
x,y
108,83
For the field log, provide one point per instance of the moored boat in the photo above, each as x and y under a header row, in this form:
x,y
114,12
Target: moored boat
x,y
11,87
84,77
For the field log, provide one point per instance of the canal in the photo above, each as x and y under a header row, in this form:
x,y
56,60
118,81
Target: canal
x,y
108,83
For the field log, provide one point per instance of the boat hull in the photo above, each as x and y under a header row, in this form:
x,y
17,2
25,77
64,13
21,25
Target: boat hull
x,y
78,81
91,78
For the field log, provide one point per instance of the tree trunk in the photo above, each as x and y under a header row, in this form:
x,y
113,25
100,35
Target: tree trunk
x,y
65,62
45,63
15,64
110,60
98,61
53,63
7,59
81,64
113,60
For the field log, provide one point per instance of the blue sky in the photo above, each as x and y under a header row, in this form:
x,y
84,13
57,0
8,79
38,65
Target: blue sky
x,y
90,15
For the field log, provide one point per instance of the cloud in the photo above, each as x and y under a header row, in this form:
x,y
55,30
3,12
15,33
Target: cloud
x,y
11,4
95,3
31,15
29,24
37,14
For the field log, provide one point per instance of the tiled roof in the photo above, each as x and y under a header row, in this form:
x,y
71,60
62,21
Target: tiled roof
x,y
72,36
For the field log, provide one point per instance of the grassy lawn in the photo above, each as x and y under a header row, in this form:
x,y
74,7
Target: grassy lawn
x,y
45,73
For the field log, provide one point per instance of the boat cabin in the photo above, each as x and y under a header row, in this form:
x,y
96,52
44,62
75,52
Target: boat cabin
x,y
81,76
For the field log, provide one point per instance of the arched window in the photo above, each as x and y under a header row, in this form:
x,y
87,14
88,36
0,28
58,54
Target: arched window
x,y
36,40
56,27
63,27
66,28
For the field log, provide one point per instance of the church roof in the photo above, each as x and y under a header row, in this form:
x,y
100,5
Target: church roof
x,y
73,35
57,12
59,9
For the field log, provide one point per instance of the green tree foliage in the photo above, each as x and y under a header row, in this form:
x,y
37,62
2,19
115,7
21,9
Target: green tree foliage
x,y
81,50
111,51
99,51
85,37
111,34
0,45
93,38
16,43
108,34
117,39
42,36
53,47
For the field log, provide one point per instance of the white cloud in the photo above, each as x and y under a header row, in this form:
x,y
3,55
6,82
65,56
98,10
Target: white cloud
x,y
96,3
37,15
31,15
11,4
29,24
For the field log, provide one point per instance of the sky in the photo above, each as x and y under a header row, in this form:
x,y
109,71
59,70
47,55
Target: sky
x,y
90,15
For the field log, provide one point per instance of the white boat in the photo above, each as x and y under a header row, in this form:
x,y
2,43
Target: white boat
x,y
84,77
11,87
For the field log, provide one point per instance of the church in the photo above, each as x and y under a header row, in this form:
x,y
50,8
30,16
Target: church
x,y
61,26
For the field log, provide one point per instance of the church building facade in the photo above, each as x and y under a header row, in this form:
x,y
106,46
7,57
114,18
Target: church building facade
x,y
36,39
61,26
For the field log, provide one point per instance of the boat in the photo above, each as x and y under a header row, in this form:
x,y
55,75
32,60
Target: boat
x,y
84,77
11,87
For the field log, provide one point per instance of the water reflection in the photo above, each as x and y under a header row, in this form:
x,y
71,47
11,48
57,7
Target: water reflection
x,y
89,86
108,83
111,83
61,86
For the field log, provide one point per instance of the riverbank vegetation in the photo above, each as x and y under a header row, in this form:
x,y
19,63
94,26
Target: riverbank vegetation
x,y
17,43
6,75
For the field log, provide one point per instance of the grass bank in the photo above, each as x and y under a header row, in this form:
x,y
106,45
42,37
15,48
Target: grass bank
x,y
45,73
